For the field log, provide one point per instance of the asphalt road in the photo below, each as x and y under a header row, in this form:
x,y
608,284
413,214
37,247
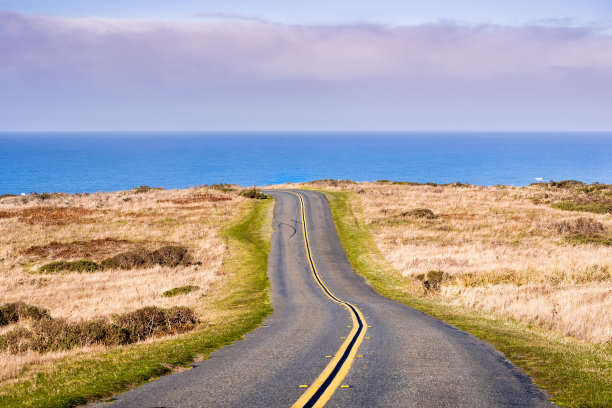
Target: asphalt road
x,y
405,359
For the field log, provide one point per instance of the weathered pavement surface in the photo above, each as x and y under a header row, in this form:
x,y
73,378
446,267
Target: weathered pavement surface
x,y
409,360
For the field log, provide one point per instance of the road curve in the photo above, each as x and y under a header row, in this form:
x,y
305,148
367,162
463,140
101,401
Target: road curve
x,y
406,358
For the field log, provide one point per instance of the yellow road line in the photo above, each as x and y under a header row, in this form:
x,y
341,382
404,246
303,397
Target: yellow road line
x,y
321,390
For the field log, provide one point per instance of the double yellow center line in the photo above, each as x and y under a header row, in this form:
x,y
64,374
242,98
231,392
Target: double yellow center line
x,y
331,378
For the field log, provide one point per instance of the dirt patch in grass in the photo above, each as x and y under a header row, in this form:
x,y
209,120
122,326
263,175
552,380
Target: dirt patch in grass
x,y
95,248
49,215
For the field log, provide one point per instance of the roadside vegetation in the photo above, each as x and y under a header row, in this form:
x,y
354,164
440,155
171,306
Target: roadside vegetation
x,y
120,288
495,262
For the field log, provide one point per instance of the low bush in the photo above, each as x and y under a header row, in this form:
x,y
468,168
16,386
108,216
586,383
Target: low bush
x,y
583,225
433,280
49,334
566,184
142,189
226,188
171,255
82,265
137,258
181,290
152,320
253,193
420,213
13,312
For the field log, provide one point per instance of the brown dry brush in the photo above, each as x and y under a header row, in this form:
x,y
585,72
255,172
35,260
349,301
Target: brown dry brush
x,y
170,255
48,334
79,249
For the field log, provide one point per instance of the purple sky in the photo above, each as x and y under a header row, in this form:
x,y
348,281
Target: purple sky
x,y
149,74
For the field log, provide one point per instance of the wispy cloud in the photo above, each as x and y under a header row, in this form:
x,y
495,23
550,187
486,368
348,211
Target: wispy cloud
x,y
232,53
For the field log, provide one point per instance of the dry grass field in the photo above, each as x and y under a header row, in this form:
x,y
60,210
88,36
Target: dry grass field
x,y
100,257
508,251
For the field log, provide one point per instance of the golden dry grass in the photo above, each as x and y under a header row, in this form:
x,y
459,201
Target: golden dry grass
x,y
503,250
36,231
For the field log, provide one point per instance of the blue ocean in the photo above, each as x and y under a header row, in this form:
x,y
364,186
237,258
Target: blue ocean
x,y
88,162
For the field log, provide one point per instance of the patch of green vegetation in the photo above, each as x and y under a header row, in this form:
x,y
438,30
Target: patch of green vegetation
x,y
575,373
253,193
597,239
595,207
181,290
82,265
240,302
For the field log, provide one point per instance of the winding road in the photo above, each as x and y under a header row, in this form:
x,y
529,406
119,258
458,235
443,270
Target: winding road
x,y
332,341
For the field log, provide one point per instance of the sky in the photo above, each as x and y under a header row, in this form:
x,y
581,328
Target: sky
x,y
286,65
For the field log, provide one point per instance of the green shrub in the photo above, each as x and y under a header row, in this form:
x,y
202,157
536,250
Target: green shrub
x,y
181,290
253,193
13,312
82,265
420,213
